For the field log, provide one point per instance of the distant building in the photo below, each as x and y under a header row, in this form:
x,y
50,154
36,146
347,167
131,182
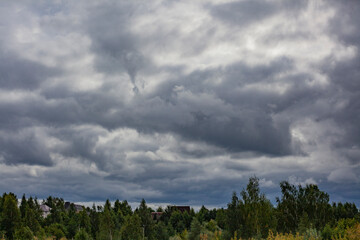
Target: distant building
x,y
77,207
45,209
183,209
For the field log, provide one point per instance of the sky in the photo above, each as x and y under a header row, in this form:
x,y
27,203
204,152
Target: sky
x,y
179,102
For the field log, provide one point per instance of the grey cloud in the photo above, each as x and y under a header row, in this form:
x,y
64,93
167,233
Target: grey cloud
x,y
152,171
243,13
345,75
17,73
239,116
238,166
113,42
24,148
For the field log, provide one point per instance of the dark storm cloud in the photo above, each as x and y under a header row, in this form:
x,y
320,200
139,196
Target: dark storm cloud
x,y
17,73
24,148
235,120
345,77
113,118
160,169
243,13
113,42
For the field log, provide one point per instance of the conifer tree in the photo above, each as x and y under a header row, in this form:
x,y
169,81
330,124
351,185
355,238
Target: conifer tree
x,y
146,221
10,219
132,229
107,224
195,230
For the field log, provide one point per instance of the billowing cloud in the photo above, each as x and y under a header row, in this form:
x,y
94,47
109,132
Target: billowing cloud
x,y
178,101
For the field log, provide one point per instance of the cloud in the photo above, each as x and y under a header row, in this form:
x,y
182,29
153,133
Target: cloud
x,y
243,13
343,175
27,147
178,101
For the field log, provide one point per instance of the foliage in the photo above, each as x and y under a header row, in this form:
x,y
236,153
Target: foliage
x,y
301,213
146,221
195,230
353,233
57,230
132,229
82,235
161,232
24,233
302,203
107,223
10,217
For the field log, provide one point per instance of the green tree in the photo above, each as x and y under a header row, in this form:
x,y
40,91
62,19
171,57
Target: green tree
x,y
288,208
57,230
24,233
233,215
125,208
132,230
146,221
71,222
257,211
221,218
84,220
57,212
195,230
161,232
177,221
296,201
30,220
304,223
82,235
107,224
118,214
35,206
10,220
94,221
187,219
23,206
203,215
315,204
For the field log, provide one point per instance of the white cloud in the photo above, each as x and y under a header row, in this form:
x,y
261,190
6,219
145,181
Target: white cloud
x,y
343,175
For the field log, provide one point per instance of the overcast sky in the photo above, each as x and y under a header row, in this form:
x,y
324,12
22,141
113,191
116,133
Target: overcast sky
x,y
178,101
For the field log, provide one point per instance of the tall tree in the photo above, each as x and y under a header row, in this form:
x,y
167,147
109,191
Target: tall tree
x,y
125,208
256,210
288,212
132,230
203,215
10,219
23,206
94,221
71,222
84,220
195,230
107,224
233,216
146,221
82,235
177,221
161,232
30,220
296,201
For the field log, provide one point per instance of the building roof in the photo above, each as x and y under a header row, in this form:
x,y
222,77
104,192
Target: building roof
x,y
183,208
78,207
45,208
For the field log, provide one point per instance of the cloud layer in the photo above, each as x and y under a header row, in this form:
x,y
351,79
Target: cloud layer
x,y
178,102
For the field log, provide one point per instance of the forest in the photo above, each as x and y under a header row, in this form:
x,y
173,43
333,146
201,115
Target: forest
x,y
301,212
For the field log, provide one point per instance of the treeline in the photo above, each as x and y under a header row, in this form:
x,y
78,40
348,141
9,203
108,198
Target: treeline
x,y
300,213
